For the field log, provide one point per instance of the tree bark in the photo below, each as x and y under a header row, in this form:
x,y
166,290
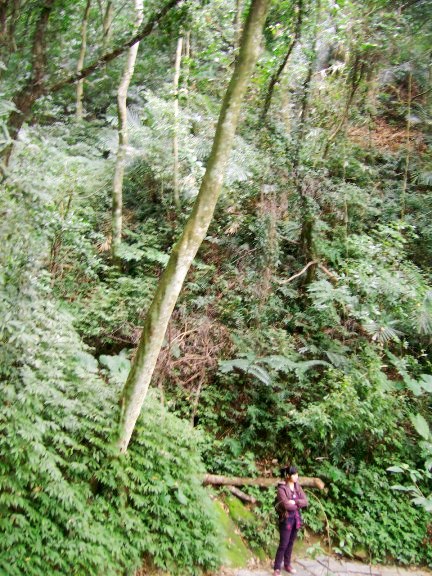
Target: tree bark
x,y
306,241
185,249
276,76
107,25
34,87
176,122
241,495
117,198
215,480
80,63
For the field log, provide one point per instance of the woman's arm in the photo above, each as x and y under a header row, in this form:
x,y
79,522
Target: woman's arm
x,y
285,503
302,500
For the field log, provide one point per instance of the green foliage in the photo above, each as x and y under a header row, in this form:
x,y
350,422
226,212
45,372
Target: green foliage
x,y
69,502
330,369
364,513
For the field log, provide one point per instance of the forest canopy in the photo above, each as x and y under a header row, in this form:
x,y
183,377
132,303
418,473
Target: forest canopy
x,y
216,249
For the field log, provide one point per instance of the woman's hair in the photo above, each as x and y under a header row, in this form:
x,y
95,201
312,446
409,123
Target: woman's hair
x,y
288,471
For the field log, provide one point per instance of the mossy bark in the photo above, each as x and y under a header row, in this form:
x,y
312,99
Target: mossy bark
x,y
185,249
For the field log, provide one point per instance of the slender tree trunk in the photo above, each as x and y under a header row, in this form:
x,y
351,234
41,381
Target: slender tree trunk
x,y
107,25
185,249
117,198
80,63
356,76
307,245
3,22
176,122
34,87
276,76
186,69
408,148
238,24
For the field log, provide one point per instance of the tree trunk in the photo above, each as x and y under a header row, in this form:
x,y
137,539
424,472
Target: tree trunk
x,y
262,482
238,24
307,245
176,122
33,88
185,249
276,76
107,25
80,63
117,198
356,77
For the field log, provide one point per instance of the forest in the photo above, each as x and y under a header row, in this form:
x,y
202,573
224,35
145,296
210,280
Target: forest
x,y
216,258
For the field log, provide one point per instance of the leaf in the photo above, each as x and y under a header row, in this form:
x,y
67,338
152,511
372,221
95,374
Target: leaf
x,y
395,469
87,361
260,373
420,425
155,255
181,497
118,366
426,382
403,488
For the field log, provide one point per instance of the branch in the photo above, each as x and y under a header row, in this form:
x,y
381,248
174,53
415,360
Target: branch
x,y
332,276
146,30
242,495
215,480
298,273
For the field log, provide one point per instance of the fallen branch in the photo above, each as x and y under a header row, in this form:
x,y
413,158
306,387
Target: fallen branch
x,y
298,273
332,276
242,495
215,480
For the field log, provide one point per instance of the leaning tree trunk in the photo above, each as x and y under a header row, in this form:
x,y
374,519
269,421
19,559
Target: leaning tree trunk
x,y
34,87
185,249
80,63
117,198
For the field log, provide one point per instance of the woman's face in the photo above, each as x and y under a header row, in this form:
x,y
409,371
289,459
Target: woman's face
x,y
293,477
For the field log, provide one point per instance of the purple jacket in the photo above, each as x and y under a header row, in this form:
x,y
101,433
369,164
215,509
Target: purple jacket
x,y
284,494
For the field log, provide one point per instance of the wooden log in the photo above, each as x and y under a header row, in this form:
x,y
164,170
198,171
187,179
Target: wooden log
x,y
241,495
215,480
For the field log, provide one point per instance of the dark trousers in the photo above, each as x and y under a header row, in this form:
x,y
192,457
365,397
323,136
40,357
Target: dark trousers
x,y
288,533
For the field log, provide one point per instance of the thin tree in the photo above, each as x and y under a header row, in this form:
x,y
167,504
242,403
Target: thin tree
x,y
107,25
276,76
123,136
176,121
184,251
80,63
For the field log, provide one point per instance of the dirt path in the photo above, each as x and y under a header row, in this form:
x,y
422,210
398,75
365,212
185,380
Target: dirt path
x,y
327,566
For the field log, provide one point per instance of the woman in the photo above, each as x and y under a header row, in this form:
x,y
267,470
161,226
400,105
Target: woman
x,y
290,498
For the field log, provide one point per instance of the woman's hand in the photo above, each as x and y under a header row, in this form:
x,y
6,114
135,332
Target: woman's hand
x,y
291,502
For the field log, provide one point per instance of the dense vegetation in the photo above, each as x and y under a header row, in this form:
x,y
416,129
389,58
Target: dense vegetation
x,y
303,330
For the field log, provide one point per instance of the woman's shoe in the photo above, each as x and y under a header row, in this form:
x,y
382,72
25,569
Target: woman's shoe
x,y
290,569
277,573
